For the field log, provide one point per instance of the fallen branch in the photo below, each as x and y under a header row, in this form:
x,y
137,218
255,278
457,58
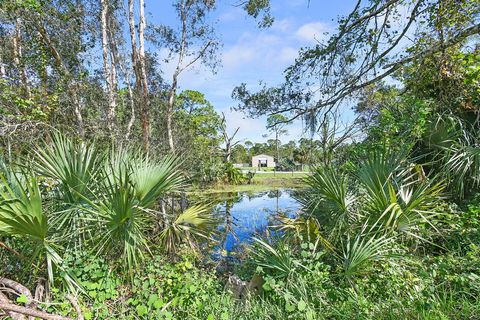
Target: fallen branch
x,y
22,290
3,245
76,306
19,312
13,315
10,307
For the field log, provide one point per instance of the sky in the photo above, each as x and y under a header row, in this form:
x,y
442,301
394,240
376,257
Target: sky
x,y
249,54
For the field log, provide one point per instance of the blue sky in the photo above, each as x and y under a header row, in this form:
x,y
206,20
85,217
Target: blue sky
x,y
250,54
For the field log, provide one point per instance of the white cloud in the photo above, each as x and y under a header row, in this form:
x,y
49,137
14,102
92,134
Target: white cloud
x,y
231,15
237,55
314,31
283,25
288,54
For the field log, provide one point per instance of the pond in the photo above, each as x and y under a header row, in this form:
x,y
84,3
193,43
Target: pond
x,y
244,215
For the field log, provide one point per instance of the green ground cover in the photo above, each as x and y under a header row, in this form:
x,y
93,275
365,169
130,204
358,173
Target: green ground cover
x,y
261,182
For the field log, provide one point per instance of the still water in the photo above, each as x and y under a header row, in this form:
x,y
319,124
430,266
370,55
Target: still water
x,y
245,215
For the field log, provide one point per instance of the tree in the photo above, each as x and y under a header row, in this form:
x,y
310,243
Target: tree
x,y
57,36
197,133
138,62
377,40
108,66
194,41
276,123
228,139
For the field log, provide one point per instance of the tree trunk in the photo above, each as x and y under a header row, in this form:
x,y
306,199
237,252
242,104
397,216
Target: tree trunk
x,y
17,58
169,114
141,87
3,73
77,108
131,100
70,82
107,69
228,152
276,147
143,76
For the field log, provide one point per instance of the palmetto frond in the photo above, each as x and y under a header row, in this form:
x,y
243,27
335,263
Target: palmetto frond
x,y
363,249
75,166
151,178
277,259
22,215
122,223
462,168
328,198
193,224
397,197
306,228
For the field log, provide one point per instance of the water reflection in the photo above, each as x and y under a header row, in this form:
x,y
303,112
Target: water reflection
x,y
245,214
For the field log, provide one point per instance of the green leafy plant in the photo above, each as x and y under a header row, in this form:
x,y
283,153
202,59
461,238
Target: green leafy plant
x,y
191,226
233,175
22,215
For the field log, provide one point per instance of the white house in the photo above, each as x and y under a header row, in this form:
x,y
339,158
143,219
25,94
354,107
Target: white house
x,y
263,161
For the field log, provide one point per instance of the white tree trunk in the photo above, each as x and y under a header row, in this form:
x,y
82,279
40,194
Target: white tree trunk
x,y
3,73
107,68
169,113
17,57
140,74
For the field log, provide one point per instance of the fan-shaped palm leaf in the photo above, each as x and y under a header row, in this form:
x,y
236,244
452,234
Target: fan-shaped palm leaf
x,y
151,179
462,168
192,225
122,222
307,228
328,199
22,215
363,249
74,165
278,260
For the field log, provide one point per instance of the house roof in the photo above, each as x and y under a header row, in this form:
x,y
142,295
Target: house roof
x,y
262,155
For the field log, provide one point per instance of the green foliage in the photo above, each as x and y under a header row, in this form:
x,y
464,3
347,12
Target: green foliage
x,y
122,220
22,216
107,202
197,136
233,175
74,166
192,226
329,200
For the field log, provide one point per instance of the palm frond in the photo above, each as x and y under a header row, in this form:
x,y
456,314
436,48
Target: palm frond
x,y
306,228
278,260
192,225
462,168
151,178
328,198
122,223
363,249
22,215
73,165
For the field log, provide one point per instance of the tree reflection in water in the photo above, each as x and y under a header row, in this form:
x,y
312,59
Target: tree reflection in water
x,y
245,215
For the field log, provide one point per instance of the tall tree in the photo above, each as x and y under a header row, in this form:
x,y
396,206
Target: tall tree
x,y
374,42
276,123
108,66
228,140
138,62
193,41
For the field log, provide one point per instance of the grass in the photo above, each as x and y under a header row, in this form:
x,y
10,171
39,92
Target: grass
x,y
262,182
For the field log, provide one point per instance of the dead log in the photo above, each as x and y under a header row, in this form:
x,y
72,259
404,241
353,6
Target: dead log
x,y
12,314
10,307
